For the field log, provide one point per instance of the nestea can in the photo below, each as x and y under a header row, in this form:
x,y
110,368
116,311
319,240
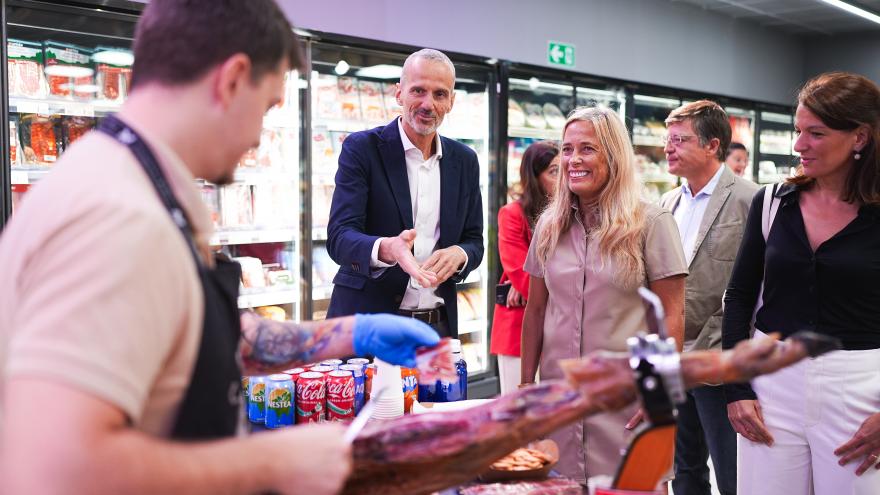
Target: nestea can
x,y
256,399
279,401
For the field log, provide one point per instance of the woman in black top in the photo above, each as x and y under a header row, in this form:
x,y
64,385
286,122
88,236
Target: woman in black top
x,y
816,427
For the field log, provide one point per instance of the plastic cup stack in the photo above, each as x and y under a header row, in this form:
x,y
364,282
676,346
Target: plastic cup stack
x,y
390,404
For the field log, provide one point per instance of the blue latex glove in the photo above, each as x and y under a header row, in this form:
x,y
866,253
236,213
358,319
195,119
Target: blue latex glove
x,y
391,338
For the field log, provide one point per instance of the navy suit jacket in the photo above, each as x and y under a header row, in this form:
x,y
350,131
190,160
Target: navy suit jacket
x,y
372,200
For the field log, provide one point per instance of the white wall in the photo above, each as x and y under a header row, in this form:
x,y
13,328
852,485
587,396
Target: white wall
x,y
652,41
858,53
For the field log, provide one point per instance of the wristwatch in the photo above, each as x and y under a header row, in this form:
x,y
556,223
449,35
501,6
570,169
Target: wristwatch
x,y
657,369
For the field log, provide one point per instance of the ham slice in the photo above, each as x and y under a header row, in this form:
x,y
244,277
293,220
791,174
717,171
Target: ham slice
x,y
421,454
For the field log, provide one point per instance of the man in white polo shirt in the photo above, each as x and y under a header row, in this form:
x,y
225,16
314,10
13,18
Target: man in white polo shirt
x,y
710,209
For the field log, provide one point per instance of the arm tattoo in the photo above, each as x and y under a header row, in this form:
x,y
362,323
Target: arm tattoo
x,y
269,345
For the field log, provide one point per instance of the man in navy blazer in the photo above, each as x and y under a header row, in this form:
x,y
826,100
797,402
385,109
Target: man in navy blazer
x,y
406,222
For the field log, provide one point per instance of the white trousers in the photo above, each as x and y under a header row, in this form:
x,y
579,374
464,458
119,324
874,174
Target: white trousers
x,y
508,372
811,409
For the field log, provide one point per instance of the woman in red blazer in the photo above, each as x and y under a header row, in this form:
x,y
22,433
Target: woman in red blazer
x,y
537,172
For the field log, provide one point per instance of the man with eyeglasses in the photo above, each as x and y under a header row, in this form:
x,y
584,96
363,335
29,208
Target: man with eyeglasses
x,y
710,209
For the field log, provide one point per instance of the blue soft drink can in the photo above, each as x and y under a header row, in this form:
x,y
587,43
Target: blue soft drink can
x,y
359,384
279,401
362,362
256,399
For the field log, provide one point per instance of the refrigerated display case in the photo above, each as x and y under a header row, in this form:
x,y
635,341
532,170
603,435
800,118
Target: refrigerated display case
x,y
70,66
352,89
776,156
648,129
742,127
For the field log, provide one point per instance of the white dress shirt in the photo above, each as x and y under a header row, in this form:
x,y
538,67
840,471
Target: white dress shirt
x,y
423,176
689,213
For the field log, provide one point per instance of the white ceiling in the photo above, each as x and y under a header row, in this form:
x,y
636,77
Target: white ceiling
x,y
801,17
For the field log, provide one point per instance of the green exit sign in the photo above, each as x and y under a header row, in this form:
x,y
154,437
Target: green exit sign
x,y
560,53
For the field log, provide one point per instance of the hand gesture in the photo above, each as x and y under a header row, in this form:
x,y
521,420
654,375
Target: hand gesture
x,y
399,250
444,263
747,420
864,446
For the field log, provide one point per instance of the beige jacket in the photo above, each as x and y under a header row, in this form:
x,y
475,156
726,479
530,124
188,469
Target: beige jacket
x,y
716,247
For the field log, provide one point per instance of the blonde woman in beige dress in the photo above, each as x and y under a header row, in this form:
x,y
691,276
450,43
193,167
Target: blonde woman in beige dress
x,y
596,243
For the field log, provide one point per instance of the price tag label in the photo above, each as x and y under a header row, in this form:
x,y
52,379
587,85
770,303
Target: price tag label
x,y
19,177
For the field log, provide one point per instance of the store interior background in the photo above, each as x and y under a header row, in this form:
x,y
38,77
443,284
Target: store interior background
x,y
754,54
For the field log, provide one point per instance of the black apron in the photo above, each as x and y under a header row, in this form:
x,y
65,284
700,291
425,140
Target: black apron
x,y
210,408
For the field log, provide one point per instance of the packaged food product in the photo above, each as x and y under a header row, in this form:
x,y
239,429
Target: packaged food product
x,y
553,115
13,142
516,117
251,272
389,97
348,96
25,69
39,138
326,102
211,199
535,116
236,206
69,70
272,313
371,101
113,68
74,128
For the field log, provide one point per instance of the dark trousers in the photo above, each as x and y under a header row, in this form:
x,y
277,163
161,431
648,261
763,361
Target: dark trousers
x,y
704,430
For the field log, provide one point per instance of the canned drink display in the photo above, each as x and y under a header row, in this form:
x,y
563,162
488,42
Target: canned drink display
x,y
279,401
369,373
244,386
294,373
358,373
333,363
310,393
410,377
321,368
256,399
340,395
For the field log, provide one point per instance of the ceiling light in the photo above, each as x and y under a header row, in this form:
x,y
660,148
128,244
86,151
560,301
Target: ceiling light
x,y
852,9
341,68
68,71
381,71
113,57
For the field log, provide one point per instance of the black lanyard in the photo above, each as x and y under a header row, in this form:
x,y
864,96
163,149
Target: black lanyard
x,y
122,133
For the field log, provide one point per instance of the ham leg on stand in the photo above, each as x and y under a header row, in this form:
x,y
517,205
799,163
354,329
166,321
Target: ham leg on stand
x,y
425,453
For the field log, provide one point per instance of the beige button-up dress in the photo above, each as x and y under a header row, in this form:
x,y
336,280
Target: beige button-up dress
x,y
586,312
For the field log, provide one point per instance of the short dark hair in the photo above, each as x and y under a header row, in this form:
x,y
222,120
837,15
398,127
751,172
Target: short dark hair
x,y
735,146
845,102
535,161
709,120
178,41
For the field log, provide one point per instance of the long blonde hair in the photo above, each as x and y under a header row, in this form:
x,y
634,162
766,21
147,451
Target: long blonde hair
x,y
621,213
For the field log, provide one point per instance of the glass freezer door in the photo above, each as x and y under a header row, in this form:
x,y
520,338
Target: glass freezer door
x,y
70,67
648,132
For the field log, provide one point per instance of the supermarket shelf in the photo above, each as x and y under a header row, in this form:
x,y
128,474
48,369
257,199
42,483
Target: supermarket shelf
x,y
322,292
51,106
472,326
529,132
264,175
268,297
28,176
648,140
229,237
659,178
344,125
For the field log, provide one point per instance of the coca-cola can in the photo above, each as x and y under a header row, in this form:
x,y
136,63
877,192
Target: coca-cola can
x,y
340,396
294,373
321,368
359,382
333,363
310,397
